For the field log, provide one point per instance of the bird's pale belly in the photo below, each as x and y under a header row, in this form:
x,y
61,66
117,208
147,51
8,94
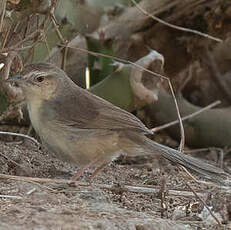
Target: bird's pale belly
x,y
82,146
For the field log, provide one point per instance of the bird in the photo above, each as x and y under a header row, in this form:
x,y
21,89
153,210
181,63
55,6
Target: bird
x,y
86,130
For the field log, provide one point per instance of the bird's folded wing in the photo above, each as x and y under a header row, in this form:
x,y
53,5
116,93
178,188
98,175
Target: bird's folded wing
x,y
91,112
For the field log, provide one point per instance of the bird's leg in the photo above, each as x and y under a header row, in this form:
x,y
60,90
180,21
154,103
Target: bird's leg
x,y
83,169
97,170
80,171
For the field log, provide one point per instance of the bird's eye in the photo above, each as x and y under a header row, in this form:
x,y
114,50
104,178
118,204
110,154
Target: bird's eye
x,y
40,79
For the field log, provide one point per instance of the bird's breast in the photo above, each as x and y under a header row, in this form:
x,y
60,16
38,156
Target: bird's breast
x,y
45,127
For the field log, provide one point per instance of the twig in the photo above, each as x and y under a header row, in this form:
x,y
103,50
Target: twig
x,y
3,13
5,38
11,197
20,135
30,54
164,206
194,178
12,34
174,26
125,188
10,49
156,129
96,54
47,45
182,141
203,150
31,191
203,202
63,41
28,38
57,28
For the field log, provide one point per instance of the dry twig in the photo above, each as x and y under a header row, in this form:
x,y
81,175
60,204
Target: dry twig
x,y
156,129
10,197
203,202
36,34
174,26
61,38
3,5
124,188
20,135
163,203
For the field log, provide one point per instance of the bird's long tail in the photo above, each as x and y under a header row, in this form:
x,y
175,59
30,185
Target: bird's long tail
x,y
198,166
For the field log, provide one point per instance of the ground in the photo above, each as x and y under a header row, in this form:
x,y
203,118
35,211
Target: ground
x,y
60,205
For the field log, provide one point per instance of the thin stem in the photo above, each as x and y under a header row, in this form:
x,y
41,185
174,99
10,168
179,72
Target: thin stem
x,y
3,14
21,135
203,202
182,141
156,129
174,26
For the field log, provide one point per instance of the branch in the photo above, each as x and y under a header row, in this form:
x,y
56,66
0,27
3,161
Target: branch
x,y
174,26
124,188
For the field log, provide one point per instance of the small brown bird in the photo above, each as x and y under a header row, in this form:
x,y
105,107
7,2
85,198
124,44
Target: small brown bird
x,y
87,130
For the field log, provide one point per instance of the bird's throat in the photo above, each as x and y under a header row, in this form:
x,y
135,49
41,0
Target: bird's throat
x,y
34,107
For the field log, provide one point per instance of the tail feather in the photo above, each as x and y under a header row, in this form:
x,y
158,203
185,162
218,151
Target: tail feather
x,y
198,166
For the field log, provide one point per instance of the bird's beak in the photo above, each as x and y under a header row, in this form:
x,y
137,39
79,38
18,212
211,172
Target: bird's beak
x,y
15,78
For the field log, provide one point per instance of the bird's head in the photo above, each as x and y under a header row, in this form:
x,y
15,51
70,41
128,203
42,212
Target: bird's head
x,y
39,81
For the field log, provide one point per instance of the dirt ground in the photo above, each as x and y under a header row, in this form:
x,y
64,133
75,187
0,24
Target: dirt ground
x,y
52,205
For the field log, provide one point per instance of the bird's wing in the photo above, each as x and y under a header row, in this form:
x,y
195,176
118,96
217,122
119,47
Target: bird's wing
x,y
83,110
